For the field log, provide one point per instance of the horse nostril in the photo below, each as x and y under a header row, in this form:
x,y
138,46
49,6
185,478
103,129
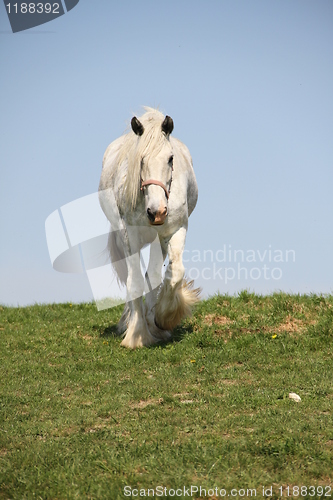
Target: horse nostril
x,y
151,215
165,211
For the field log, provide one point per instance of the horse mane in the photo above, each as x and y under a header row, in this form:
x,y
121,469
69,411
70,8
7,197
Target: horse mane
x,y
134,149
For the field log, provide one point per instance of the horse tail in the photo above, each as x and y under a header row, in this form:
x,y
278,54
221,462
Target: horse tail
x,y
117,256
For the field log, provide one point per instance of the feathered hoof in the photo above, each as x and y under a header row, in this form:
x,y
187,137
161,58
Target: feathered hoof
x,y
154,329
134,343
159,333
138,335
175,304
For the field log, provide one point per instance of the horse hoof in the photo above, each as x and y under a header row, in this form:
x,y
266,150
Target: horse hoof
x,y
159,332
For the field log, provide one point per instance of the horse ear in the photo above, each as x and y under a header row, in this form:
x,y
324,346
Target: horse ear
x,y
167,125
137,126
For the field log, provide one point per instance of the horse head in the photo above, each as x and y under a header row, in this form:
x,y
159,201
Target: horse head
x,y
156,168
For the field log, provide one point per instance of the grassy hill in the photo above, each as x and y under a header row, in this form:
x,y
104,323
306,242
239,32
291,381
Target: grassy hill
x,y
82,417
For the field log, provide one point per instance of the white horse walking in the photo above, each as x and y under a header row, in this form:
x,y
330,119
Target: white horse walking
x,y
148,191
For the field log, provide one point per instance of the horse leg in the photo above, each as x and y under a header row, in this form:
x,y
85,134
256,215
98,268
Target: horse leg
x,y
177,296
153,280
124,319
137,333
116,244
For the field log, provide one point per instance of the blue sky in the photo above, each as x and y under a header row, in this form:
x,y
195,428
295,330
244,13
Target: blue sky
x,y
249,87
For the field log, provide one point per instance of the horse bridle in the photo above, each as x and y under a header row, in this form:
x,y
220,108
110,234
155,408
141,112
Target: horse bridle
x,y
157,183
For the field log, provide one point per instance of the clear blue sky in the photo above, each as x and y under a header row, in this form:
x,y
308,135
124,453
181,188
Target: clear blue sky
x,y
249,87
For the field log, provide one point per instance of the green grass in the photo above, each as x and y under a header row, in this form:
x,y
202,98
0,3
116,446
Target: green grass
x,y
82,417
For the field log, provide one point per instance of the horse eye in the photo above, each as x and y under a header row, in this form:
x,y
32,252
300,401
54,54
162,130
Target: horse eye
x,y
171,161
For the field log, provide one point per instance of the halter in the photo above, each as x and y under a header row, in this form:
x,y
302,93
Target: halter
x,y
157,183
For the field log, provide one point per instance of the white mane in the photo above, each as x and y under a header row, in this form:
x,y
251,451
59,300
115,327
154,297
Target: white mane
x,y
135,148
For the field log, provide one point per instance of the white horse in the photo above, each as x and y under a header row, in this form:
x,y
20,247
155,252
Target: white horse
x,y
148,191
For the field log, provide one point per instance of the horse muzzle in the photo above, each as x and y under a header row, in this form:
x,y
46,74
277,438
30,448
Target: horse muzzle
x,y
157,218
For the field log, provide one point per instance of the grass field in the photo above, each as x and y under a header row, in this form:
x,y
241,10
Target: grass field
x,y
82,417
